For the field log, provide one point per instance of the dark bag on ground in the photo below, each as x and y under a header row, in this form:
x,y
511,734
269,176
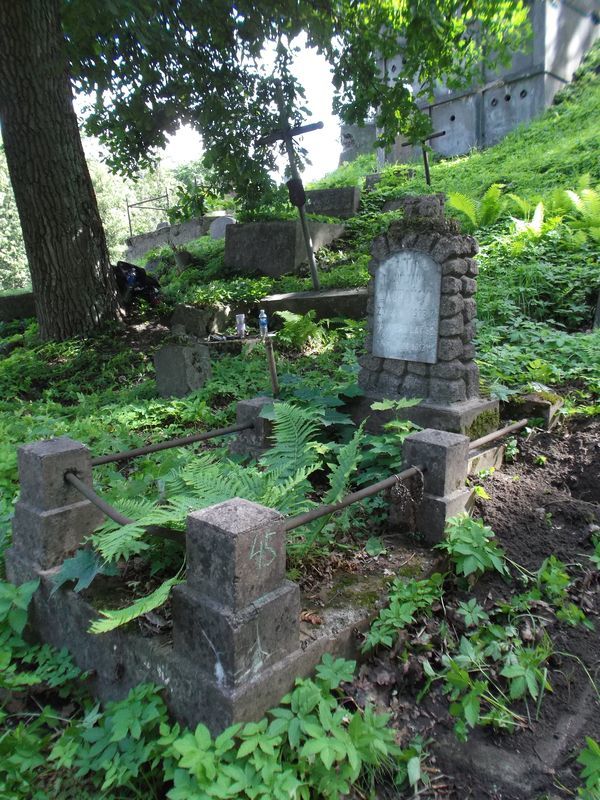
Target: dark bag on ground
x,y
134,283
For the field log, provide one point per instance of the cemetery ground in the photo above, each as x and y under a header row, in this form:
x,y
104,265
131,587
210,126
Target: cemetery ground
x,y
483,653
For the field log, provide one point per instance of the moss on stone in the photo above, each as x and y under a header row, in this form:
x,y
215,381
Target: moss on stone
x,y
484,423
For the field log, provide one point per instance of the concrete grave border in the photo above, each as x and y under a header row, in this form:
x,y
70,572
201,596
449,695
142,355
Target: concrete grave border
x,y
236,647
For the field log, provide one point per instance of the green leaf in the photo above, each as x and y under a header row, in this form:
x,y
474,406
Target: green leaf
x,y
82,568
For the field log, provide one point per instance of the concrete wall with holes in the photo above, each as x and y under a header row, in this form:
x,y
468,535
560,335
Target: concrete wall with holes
x,y
563,31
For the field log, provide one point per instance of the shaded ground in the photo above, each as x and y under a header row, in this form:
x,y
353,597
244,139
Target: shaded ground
x,y
545,503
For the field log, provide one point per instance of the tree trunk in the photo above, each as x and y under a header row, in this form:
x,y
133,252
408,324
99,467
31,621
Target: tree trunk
x,y
73,285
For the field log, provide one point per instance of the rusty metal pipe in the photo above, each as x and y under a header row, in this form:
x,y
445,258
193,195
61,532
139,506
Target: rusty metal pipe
x,y
154,448
499,434
121,519
321,511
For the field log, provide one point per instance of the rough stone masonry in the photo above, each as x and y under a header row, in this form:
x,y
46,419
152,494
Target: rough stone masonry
x,y
421,317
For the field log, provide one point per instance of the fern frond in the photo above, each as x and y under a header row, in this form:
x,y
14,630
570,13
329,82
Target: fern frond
x,y
120,541
523,205
347,459
288,496
294,430
115,618
590,210
464,204
492,205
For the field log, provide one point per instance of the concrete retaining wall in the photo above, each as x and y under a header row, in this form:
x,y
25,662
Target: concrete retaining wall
x,y
16,306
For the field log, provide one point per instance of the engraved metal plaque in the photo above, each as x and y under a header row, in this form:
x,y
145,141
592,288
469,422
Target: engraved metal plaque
x,y
407,307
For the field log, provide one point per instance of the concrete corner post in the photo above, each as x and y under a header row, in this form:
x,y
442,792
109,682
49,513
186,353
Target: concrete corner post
x,y
51,517
236,615
445,457
258,438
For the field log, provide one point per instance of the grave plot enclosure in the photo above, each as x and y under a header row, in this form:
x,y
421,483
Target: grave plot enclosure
x,y
421,317
237,644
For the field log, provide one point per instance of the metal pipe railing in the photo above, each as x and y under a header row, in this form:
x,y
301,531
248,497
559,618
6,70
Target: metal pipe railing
x,y
154,448
499,434
329,508
114,514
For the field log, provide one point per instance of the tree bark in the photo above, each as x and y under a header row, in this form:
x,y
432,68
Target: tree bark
x,y
72,280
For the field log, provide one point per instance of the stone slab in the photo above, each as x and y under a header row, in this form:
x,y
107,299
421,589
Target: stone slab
x,y
181,369
19,305
486,458
218,226
200,322
342,203
121,659
473,418
407,307
536,404
181,233
329,303
274,248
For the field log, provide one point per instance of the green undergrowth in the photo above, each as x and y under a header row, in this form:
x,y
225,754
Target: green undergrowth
x,y
311,745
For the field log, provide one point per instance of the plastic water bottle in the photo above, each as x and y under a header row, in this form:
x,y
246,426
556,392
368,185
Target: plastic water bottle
x,y
240,325
262,324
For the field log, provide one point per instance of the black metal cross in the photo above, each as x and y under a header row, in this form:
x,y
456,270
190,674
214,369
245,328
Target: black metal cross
x,y
425,154
286,135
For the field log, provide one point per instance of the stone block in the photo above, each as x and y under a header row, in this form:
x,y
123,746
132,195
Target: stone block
x,y
417,369
544,405
393,367
450,247
471,376
450,348
342,203
451,285
450,305
485,458
259,437
468,352
415,386
235,552
387,384
447,391
200,322
452,326
434,512
444,456
472,267
469,285
274,248
456,267
234,648
181,369
470,309
372,180
46,538
51,517
351,303
42,468
218,226
448,370
469,332
178,234
427,205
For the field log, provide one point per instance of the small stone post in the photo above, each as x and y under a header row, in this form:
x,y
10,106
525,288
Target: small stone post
x,y
236,616
255,440
445,458
51,517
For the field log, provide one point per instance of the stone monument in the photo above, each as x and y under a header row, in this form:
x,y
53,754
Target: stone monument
x,y
421,317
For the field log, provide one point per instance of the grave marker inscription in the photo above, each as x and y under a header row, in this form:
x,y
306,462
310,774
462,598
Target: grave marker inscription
x,y
407,307
421,315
